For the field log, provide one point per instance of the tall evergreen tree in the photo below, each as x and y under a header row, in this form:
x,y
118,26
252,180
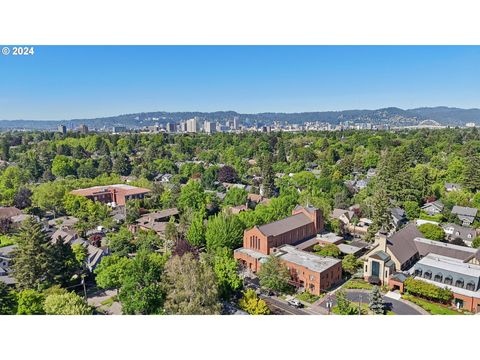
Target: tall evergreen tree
x,y
8,300
33,259
380,213
376,304
268,185
471,172
64,263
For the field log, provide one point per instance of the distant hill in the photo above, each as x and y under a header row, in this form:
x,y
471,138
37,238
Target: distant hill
x,y
449,115
392,116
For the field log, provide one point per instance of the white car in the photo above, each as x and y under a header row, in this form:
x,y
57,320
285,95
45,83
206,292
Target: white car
x,y
295,303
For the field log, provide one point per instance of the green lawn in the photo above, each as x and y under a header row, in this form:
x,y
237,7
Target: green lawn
x,y
6,240
357,284
109,301
307,297
432,308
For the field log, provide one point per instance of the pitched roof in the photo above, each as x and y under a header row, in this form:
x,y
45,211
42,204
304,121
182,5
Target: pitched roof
x,y
462,210
465,233
401,243
397,213
438,204
426,246
8,212
336,213
284,225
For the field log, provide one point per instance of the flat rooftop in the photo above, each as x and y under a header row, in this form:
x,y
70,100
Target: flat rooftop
x,y
310,261
450,264
252,253
123,188
348,249
329,237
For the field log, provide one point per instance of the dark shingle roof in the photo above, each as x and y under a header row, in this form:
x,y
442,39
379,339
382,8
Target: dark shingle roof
x,y
426,246
282,226
401,243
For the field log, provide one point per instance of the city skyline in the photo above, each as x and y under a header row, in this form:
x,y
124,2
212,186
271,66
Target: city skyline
x,y
68,82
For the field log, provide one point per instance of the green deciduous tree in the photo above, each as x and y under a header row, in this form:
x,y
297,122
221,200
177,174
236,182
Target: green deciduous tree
x,y
274,274
235,196
63,166
331,250
223,230
141,290
66,304
30,302
411,209
344,306
192,196
121,243
191,287
432,232
252,304
110,272
196,231
226,272
350,264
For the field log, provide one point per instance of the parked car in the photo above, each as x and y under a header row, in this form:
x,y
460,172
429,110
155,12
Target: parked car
x,y
295,303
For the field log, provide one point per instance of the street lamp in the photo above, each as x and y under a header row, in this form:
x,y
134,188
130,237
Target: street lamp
x,y
329,304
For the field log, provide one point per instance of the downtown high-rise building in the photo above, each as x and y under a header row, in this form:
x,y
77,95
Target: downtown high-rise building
x,y
192,125
209,127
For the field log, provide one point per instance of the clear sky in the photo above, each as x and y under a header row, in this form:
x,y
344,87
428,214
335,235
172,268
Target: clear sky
x,y
66,82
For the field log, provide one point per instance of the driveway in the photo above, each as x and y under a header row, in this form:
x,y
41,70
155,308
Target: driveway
x,y
399,307
96,299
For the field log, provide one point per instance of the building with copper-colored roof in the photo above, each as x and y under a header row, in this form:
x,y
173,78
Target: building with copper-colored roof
x,y
117,194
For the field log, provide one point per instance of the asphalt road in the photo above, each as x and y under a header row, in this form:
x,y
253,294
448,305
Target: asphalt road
x,y
279,307
398,307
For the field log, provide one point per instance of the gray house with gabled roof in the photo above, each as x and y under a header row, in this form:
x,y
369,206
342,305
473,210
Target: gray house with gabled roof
x,y
466,215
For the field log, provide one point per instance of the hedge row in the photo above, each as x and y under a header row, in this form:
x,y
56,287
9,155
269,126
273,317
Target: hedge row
x,y
428,291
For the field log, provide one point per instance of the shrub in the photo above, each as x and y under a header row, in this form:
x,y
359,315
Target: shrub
x,y
432,231
428,291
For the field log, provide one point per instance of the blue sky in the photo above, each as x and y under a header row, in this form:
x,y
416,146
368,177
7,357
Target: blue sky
x,y
64,82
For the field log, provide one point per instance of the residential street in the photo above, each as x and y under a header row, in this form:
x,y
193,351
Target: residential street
x,y
280,307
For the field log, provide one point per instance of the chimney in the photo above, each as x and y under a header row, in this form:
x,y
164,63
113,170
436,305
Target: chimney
x,y
381,240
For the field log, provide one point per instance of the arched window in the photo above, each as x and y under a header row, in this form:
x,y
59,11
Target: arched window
x,y
427,274
448,280
470,286
418,272
438,277
459,283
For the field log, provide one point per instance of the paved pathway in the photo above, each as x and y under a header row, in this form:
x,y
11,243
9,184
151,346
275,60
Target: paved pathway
x,y
95,299
399,307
